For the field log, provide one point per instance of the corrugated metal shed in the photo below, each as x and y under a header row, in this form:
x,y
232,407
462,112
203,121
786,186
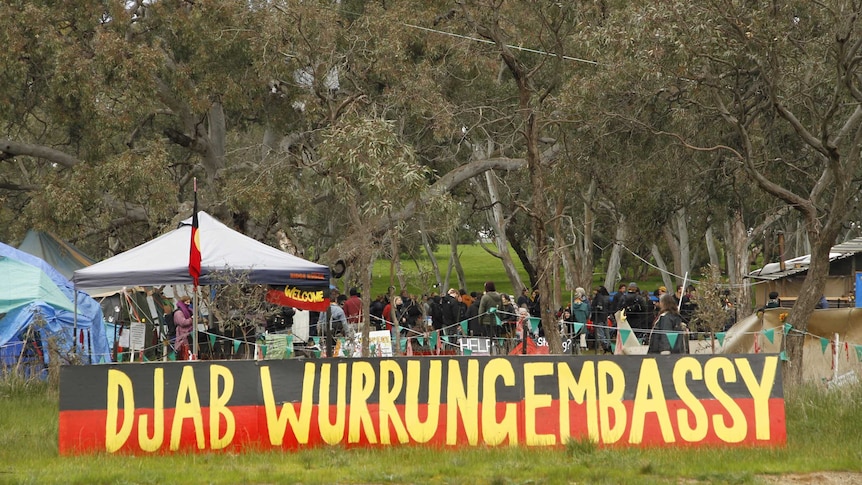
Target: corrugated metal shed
x,y
772,271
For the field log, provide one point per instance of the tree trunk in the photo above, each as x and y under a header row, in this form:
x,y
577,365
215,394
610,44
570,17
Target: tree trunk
x,y
809,295
613,272
736,246
662,266
710,247
453,248
498,222
430,252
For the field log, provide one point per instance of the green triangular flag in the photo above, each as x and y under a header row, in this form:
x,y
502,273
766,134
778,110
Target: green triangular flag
x,y
402,342
144,356
468,351
783,356
534,324
421,341
446,338
435,336
770,335
372,350
289,351
499,322
316,340
823,344
236,345
120,357
671,338
501,341
624,334
316,354
102,360
212,339
464,327
858,352
720,336
263,348
493,309
614,347
578,327
172,356
787,328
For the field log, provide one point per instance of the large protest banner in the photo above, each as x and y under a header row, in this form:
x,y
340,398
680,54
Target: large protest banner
x,y
439,401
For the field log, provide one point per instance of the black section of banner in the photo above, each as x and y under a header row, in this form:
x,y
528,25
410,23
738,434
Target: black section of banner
x,y
85,387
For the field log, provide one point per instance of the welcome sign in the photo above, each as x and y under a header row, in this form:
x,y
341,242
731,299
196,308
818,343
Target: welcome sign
x,y
446,401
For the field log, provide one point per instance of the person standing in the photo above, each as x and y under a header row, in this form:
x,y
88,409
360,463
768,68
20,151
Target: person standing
x,y
580,314
523,300
183,321
451,310
353,309
487,318
669,321
601,309
635,309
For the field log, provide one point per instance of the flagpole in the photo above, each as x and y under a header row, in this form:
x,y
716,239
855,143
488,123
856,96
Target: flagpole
x,y
195,270
195,323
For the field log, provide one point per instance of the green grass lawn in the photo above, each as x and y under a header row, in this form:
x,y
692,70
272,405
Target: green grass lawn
x,y
479,267
822,428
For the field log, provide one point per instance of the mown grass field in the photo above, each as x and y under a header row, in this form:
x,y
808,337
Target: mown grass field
x,y
479,266
822,427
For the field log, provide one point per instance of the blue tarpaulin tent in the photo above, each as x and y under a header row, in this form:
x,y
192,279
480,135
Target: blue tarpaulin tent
x,y
37,303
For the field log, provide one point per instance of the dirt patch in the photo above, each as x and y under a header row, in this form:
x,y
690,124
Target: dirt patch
x,y
819,478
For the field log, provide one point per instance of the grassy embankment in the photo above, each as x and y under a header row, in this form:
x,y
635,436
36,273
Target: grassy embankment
x,y
822,428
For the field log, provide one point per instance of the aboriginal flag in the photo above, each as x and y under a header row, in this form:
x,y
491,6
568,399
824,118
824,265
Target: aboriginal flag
x,y
195,247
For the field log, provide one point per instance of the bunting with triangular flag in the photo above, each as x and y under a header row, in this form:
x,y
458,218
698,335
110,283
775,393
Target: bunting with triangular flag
x,y
787,328
671,338
534,324
824,342
858,352
720,336
769,334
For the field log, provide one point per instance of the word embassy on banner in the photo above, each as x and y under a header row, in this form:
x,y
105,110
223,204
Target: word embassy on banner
x,y
452,401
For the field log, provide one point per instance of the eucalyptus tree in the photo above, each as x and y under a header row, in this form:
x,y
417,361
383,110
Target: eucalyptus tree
x,y
784,79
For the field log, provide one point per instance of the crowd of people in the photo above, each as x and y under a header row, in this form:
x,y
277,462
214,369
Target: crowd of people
x,y
589,321
491,313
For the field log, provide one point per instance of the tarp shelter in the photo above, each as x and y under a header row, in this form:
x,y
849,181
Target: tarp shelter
x,y
61,255
33,292
225,255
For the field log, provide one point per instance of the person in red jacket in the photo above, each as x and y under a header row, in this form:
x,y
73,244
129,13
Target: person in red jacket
x,y
353,309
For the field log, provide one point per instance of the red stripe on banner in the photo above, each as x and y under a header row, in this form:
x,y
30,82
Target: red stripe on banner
x,y
360,426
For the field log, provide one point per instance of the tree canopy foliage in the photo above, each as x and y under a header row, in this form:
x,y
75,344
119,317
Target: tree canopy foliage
x,y
615,130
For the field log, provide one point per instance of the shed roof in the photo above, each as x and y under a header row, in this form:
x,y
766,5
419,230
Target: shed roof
x,y
772,271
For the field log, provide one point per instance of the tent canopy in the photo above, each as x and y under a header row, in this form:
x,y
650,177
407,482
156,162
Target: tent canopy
x,y
165,260
32,291
23,283
61,255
